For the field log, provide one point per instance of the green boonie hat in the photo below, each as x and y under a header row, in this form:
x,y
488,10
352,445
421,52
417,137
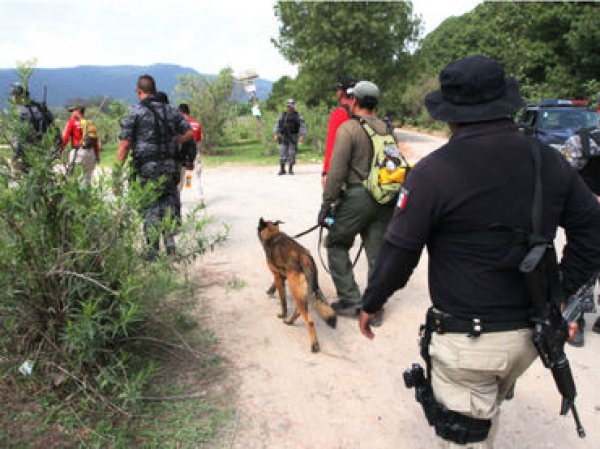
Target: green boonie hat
x,y
76,107
364,89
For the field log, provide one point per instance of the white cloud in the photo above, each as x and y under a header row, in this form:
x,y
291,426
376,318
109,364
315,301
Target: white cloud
x,y
434,12
206,35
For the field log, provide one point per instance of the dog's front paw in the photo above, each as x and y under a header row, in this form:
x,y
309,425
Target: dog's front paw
x,y
281,315
315,347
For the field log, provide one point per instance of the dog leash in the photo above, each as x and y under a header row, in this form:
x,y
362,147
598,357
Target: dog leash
x,y
307,231
319,245
325,267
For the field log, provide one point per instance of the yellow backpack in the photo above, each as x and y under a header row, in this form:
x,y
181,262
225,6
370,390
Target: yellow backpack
x,y
89,133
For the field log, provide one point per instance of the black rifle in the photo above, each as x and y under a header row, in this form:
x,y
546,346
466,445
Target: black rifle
x,y
551,327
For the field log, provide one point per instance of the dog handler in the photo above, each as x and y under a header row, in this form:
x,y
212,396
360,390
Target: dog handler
x,y
481,182
347,200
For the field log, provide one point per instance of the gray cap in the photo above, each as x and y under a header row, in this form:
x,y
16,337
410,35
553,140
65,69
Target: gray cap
x,y
364,89
291,102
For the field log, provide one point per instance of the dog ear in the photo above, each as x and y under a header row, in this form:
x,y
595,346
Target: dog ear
x,y
261,224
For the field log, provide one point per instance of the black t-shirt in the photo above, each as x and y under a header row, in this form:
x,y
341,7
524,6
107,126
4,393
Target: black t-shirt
x,y
484,176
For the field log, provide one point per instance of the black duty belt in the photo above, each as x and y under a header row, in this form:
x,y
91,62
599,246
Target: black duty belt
x,y
442,323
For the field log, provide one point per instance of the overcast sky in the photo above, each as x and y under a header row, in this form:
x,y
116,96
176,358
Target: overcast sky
x,y
205,35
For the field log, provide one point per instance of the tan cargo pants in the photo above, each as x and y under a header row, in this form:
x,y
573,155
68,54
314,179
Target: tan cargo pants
x,y
86,158
473,375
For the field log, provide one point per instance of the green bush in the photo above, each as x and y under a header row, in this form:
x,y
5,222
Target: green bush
x,y
78,298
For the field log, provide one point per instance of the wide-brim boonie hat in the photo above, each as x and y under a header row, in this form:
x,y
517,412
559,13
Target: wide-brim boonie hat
x,y
474,89
76,107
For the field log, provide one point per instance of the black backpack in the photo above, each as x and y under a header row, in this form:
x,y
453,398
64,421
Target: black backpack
x,y
39,116
187,151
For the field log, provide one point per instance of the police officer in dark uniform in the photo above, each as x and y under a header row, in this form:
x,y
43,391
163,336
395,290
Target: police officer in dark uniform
x,y
481,182
289,129
154,130
582,150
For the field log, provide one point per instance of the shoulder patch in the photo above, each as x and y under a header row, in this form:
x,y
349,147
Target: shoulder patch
x,y
402,198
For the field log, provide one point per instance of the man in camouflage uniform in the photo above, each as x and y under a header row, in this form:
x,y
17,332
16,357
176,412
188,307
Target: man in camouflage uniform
x,y
36,116
153,130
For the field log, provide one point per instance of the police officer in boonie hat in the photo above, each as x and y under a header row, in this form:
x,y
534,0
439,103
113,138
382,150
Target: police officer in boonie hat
x,y
477,339
474,89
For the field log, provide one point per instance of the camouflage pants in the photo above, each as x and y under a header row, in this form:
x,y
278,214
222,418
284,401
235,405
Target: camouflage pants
x,y
589,304
167,205
287,152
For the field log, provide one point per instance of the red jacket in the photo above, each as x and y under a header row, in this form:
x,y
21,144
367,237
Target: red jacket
x,y
74,132
196,128
338,116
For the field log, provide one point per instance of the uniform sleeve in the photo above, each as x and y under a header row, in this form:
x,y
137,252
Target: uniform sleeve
x,y
127,127
392,270
276,127
572,151
198,135
339,166
335,120
303,129
419,205
67,133
181,124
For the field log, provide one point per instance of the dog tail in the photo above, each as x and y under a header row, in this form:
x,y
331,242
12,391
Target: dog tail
x,y
317,298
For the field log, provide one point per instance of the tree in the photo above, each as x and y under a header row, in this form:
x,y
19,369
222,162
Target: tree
x,y
211,103
550,47
282,90
365,40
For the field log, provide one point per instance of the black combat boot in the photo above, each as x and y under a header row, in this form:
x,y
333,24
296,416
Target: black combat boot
x,y
170,245
151,253
291,171
282,170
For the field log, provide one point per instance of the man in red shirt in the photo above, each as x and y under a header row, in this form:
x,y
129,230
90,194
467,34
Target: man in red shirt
x,y
197,165
338,116
87,158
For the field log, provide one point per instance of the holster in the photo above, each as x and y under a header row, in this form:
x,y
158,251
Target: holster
x,y
449,425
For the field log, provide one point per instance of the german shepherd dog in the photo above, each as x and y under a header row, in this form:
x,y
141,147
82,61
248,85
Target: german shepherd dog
x,y
288,260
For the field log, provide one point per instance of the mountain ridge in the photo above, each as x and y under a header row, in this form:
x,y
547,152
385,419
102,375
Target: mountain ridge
x,y
62,85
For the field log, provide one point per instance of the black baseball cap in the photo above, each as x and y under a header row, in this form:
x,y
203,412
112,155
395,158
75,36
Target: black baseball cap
x,y
344,83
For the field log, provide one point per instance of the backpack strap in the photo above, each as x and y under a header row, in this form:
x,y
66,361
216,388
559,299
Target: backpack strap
x,y
347,108
370,133
158,120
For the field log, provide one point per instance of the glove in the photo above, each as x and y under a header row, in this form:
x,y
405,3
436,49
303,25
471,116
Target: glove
x,y
324,218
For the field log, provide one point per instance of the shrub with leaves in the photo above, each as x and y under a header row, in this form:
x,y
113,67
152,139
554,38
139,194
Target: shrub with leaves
x,y
78,296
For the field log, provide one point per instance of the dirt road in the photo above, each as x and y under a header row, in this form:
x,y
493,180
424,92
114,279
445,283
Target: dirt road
x,y
351,394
